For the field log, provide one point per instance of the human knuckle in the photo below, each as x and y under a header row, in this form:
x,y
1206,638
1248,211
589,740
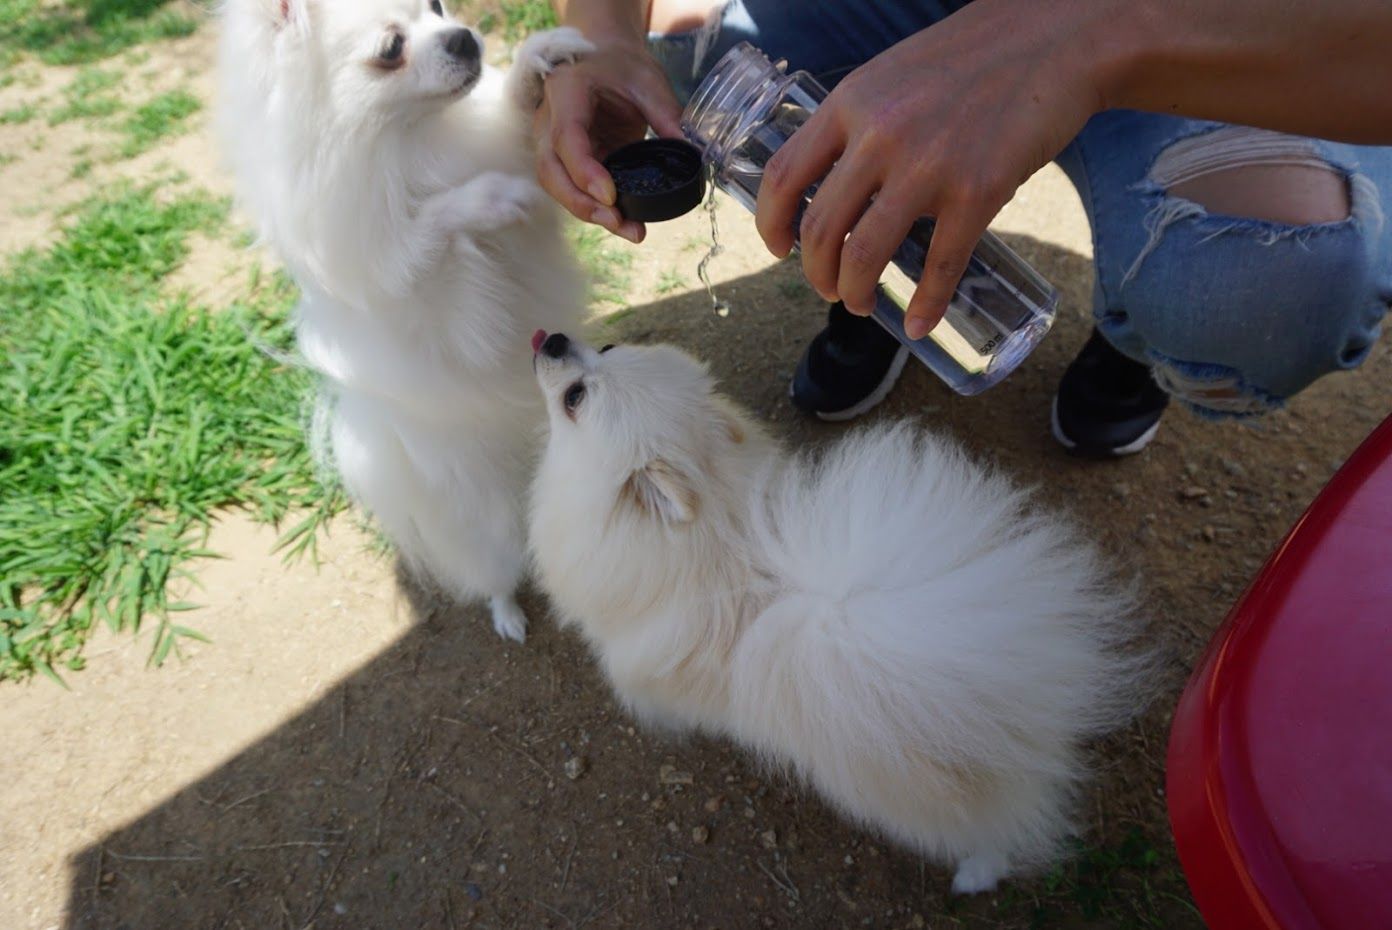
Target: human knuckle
x,y
778,172
975,190
859,257
947,268
812,231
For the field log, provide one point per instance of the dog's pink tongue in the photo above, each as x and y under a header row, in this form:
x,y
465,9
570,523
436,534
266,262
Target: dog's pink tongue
x,y
538,338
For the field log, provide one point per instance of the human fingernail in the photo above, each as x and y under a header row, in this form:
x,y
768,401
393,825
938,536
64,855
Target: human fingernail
x,y
915,327
605,217
601,192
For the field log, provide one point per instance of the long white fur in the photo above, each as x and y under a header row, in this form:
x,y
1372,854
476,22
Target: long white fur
x,y
404,204
888,620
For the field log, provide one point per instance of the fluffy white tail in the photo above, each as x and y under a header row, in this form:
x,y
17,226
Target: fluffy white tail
x,y
936,653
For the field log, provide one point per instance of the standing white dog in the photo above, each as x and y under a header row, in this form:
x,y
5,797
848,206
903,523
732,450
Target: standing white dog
x,y
390,169
889,622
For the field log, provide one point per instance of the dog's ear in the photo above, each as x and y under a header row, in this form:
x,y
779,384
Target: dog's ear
x,y
288,14
663,490
734,429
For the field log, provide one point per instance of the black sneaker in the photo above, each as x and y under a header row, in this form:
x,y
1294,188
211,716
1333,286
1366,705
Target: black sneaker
x,y
848,368
1107,404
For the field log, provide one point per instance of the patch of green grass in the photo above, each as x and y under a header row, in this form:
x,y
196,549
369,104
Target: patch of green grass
x,y
81,168
126,419
1122,885
87,97
669,281
516,19
794,288
607,267
18,115
27,76
164,116
7,159
82,31
92,108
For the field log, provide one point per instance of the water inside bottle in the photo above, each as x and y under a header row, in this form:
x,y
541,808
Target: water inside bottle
x,y
988,308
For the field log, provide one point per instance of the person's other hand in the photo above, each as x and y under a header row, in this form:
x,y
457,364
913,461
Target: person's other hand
x,y
589,109
947,124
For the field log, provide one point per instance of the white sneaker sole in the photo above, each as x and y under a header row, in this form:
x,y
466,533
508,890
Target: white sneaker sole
x,y
1131,448
873,399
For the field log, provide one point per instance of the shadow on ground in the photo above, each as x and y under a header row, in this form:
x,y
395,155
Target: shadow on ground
x,y
460,781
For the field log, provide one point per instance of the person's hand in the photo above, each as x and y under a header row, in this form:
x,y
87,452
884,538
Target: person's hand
x,y
589,109
948,123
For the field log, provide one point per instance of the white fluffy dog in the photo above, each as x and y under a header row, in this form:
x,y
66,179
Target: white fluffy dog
x,y
889,621
389,168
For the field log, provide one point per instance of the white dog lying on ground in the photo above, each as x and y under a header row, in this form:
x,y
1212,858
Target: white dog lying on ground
x,y
390,169
889,621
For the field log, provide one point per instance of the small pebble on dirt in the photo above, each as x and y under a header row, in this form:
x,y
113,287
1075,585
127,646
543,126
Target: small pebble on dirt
x,y
671,775
769,839
575,766
1193,492
714,804
473,891
700,834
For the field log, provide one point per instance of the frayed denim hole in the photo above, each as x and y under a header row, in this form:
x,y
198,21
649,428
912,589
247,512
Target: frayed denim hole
x,y
1204,388
1354,353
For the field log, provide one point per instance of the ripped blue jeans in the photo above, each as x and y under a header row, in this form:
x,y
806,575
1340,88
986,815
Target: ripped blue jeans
x,y
1233,314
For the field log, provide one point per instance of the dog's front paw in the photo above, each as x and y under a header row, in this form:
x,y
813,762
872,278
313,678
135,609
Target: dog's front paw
x,y
490,201
537,57
509,621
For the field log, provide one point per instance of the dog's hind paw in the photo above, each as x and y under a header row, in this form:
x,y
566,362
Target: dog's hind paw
x,y
509,621
978,873
541,54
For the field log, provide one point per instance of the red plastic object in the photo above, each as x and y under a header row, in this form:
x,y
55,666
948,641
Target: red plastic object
x,y
1279,774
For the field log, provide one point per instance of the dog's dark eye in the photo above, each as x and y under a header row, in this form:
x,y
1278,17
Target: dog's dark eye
x,y
606,348
436,8
393,49
573,396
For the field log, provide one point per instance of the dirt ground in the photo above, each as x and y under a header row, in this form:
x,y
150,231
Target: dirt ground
x,y
351,751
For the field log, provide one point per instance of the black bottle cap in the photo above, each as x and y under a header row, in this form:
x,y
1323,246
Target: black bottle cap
x,y
657,179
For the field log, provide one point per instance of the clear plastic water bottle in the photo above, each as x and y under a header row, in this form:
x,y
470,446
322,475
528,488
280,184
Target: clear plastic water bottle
x,y
744,111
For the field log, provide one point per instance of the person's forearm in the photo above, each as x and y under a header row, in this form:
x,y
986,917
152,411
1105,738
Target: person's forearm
x,y
606,20
1313,68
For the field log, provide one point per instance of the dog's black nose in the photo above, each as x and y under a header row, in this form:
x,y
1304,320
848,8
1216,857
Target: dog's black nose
x,y
556,345
462,44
